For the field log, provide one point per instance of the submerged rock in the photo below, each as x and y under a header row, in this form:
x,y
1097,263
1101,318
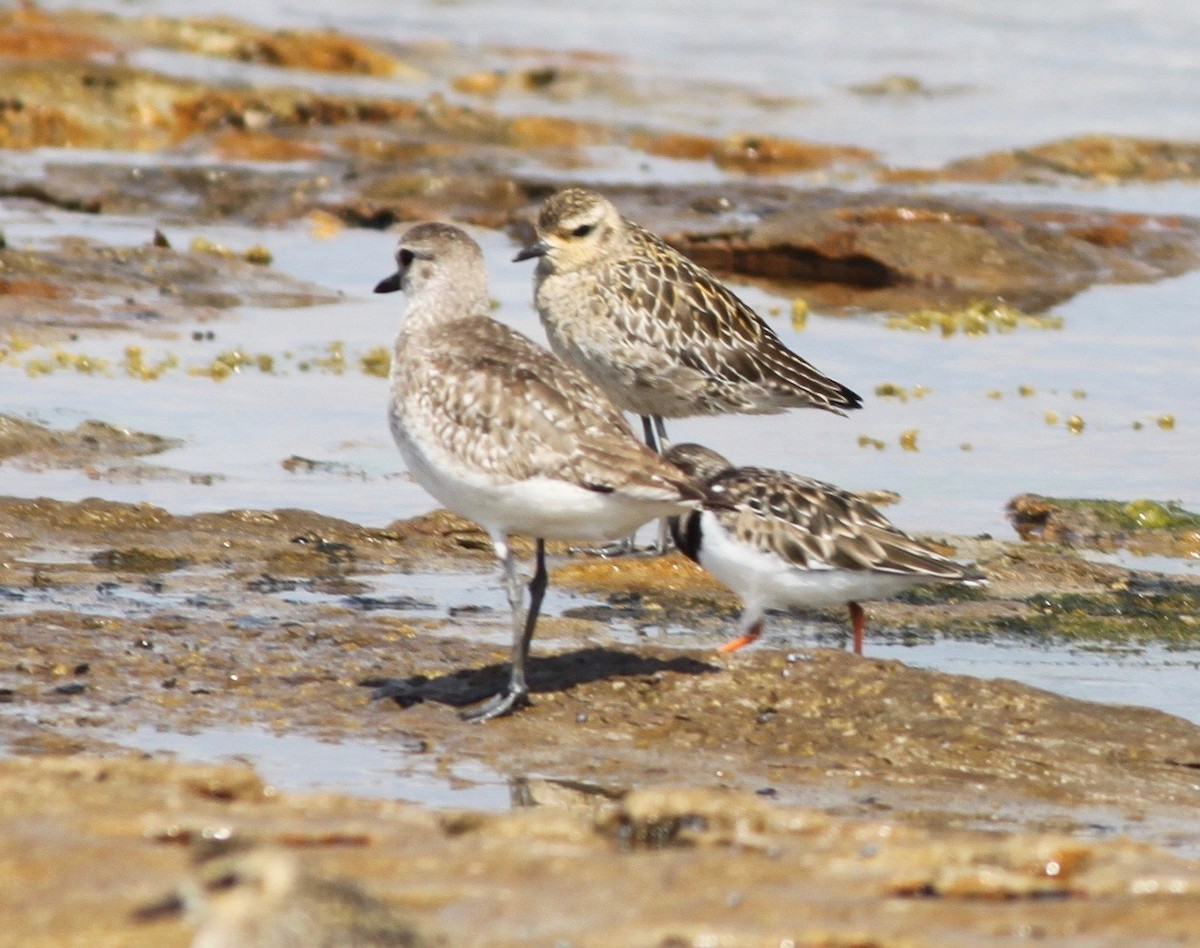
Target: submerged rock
x,y
1143,526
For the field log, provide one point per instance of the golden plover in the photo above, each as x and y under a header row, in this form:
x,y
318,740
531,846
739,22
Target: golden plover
x,y
260,898
502,431
660,334
788,541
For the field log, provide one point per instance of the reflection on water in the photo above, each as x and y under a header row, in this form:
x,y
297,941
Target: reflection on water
x,y
398,769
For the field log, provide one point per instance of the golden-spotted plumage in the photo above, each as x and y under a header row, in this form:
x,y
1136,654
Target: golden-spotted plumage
x,y
661,335
780,540
261,898
503,432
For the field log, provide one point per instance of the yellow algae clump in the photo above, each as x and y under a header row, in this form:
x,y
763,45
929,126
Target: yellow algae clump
x,y
226,364
136,366
377,362
258,255
799,314
908,440
205,245
1166,422
335,361
977,319
1026,391
1075,424
1052,417
865,441
890,390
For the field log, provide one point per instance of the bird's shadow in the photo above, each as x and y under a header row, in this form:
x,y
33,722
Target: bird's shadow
x,y
554,673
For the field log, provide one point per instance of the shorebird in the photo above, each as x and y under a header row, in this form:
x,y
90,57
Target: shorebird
x,y
661,335
505,433
261,899
787,541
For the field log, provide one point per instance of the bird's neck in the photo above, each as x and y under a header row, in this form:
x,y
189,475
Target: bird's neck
x,y
443,301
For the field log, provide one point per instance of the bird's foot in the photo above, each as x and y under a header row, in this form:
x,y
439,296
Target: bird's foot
x,y
626,546
497,706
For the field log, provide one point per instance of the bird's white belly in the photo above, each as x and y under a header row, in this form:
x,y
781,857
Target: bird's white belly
x,y
769,580
537,507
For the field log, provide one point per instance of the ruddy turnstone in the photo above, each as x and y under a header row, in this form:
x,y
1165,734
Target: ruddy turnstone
x,y
788,541
505,433
662,336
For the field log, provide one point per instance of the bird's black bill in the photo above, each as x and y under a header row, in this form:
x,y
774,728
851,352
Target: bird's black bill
x,y
533,250
388,285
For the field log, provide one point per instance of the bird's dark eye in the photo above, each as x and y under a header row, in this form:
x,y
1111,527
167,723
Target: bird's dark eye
x,y
583,230
406,257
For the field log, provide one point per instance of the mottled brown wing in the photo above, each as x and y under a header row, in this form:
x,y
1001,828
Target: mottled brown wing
x,y
706,327
511,408
815,525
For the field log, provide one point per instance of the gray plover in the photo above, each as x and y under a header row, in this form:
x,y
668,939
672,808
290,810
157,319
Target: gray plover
x,y
788,541
659,333
262,899
502,431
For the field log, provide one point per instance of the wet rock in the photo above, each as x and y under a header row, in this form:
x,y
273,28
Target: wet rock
x,y
138,560
78,283
1143,526
33,33
752,154
901,86
894,251
1104,158
39,446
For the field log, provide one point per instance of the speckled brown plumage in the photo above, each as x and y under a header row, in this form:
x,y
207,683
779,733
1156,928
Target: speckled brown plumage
x,y
660,334
503,407
505,433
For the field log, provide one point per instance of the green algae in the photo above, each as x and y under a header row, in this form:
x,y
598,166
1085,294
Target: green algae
x,y
1164,612
1139,514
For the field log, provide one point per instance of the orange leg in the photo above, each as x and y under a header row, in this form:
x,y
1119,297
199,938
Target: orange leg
x,y
751,634
858,616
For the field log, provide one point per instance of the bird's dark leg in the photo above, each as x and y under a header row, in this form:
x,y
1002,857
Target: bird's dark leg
x,y
858,618
516,695
648,433
661,430
656,439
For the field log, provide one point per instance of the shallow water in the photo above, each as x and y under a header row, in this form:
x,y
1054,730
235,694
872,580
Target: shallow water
x,y
393,769
1119,360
